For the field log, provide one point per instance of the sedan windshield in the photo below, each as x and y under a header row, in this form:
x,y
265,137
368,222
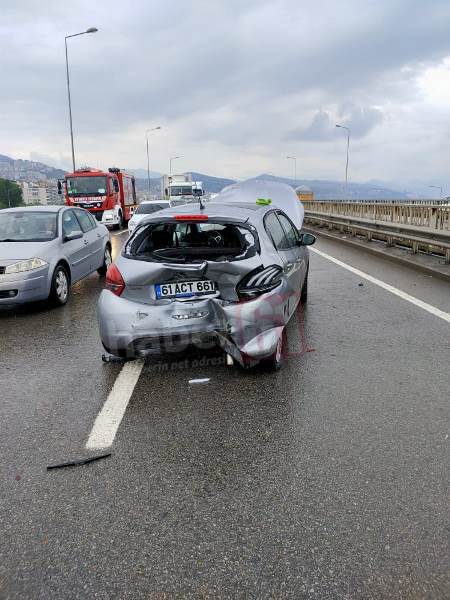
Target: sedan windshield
x,y
86,186
147,209
28,226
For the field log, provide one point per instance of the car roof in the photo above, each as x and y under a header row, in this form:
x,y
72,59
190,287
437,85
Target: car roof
x,y
51,208
238,212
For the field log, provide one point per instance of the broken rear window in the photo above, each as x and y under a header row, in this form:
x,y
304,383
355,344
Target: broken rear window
x,y
192,242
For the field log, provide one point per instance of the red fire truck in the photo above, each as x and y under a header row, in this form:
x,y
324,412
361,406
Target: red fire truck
x,y
110,197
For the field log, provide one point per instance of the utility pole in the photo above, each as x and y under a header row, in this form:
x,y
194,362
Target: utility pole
x,y
346,164
148,158
170,163
294,158
90,30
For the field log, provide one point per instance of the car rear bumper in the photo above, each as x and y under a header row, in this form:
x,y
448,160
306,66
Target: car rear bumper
x,y
24,287
246,330
110,218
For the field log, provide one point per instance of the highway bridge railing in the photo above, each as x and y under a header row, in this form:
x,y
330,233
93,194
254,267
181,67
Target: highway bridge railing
x,y
418,227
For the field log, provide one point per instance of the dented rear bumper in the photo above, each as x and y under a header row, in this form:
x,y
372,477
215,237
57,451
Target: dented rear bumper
x,y
247,330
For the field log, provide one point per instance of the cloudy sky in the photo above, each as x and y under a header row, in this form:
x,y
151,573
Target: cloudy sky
x,y
236,85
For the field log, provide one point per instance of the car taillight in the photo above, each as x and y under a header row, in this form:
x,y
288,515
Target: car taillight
x,y
114,281
259,281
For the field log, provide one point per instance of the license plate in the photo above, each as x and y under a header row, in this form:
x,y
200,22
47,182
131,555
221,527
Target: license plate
x,y
184,289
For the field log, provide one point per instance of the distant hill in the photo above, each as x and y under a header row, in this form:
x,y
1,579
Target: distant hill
x,y
210,184
329,190
27,170
142,173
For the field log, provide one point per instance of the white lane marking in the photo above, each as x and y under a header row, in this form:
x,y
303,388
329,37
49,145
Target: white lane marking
x,y
205,380
120,232
390,288
109,418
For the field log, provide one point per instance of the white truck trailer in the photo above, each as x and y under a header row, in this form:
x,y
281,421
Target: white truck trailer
x,y
180,189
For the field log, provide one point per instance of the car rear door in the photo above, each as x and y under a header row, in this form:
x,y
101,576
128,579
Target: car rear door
x,y
93,239
76,251
299,254
280,241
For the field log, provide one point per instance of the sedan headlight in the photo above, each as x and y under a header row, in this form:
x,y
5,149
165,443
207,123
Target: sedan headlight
x,y
25,265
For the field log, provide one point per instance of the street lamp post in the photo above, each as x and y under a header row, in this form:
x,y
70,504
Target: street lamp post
x,y
346,164
294,158
90,30
148,158
438,187
170,163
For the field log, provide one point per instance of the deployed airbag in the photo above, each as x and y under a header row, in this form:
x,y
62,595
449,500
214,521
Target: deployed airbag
x,y
282,196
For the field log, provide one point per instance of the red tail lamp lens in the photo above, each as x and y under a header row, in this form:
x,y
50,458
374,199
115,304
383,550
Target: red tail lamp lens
x,y
114,280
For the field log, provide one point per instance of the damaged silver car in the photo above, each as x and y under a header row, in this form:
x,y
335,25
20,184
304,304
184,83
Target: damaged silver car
x,y
221,274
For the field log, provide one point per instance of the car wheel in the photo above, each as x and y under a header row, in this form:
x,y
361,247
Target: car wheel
x,y
59,291
123,222
304,292
275,362
107,260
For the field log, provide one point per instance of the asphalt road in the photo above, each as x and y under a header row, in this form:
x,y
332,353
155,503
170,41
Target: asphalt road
x,y
327,480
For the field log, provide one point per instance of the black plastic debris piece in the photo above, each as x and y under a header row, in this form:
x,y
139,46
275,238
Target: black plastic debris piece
x,y
109,358
360,284
81,461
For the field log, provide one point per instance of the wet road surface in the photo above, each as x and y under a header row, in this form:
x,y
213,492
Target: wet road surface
x,y
328,479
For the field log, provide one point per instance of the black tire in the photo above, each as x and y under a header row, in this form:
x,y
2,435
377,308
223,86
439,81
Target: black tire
x,y
59,291
275,362
304,292
107,260
123,222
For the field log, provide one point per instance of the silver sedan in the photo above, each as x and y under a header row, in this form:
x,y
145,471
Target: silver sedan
x,y
45,249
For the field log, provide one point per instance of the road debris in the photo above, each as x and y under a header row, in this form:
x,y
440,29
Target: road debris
x,y
109,358
81,461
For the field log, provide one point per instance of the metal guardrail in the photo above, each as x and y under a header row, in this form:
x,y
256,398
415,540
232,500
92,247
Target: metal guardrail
x,y
427,217
424,229
426,201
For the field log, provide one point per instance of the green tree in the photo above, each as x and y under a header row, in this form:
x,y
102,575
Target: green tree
x,y
10,194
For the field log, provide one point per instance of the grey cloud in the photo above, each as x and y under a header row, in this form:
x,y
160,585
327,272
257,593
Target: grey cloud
x,y
246,75
320,129
360,120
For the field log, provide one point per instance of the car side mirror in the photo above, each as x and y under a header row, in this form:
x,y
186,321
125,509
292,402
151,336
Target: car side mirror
x,y
59,187
307,239
73,235
116,185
